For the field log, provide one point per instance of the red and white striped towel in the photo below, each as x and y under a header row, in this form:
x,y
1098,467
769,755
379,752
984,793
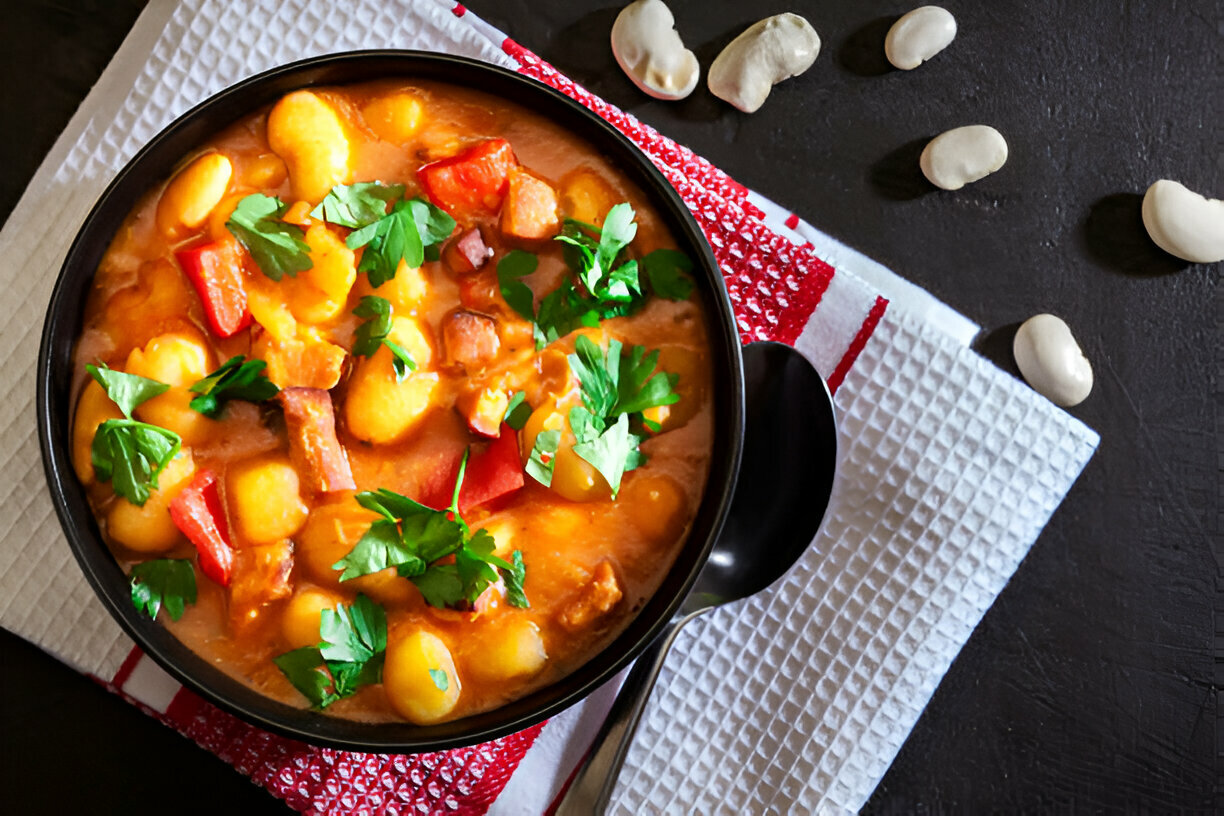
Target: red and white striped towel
x,y
950,469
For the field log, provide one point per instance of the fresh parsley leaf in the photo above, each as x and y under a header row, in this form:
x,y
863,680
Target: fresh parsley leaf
x,y
354,633
610,452
125,390
304,668
543,456
131,455
375,331
667,270
277,247
401,360
639,386
164,582
561,311
433,224
596,249
391,505
616,388
357,205
440,586
514,576
371,333
597,373
400,235
604,288
518,411
415,539
237,378
515,265
350,654
440,679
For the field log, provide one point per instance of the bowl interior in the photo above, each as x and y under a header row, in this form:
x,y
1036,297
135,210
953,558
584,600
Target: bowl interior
x,y
65,316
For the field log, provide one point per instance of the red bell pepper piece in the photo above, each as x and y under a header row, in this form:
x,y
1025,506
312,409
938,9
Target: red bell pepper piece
x,y
473,181
216,272
494,473
198,513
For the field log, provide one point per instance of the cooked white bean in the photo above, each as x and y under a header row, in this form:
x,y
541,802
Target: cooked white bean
x,y
918,36
648,49
770,51
1184,223
962,155
1051,361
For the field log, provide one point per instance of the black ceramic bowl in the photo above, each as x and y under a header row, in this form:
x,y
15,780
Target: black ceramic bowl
x,y
55,388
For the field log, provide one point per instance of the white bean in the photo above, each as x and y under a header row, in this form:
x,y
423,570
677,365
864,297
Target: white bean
x,y
648,49
1184,223
768,52
918,36
964,154
1051,361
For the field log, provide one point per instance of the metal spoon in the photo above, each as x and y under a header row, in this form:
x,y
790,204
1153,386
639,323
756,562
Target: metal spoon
x,y
785,480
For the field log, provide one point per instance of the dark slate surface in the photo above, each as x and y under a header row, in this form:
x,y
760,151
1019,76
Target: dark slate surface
x,y
1094,682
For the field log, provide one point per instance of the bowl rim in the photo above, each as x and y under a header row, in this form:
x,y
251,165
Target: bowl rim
x,y
156,161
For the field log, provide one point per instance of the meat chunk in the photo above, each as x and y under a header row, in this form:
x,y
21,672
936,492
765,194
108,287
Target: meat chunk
x,y
261,575
470,339
530,209
483,408
313,447
467,252
596,598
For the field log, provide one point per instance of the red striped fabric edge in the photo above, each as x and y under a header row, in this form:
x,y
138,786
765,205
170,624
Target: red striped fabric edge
x,y
857,344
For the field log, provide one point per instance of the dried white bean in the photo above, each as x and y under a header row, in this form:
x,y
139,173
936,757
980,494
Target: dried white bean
x,y
648,49
1051,361
768,52
918,36
962,155
1184,223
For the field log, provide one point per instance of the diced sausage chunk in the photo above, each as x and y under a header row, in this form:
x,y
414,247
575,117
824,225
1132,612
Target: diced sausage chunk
x,y
483,408
530,209
467,252
313,446
261,575
596,598
471,339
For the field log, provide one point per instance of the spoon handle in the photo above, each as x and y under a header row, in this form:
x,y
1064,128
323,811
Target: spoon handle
x,y
592,786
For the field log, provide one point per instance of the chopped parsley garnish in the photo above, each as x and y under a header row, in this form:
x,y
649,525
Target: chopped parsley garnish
x,y
515,265
543,457
440,678
126,390
404,234
517,411
277,247
601,287
237,378
616,389
164,582
415,539
375,331
126,452
349,655
667,270
357,205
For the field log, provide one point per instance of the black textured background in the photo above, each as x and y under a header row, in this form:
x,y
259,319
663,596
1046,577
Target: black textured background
x,y
1094,682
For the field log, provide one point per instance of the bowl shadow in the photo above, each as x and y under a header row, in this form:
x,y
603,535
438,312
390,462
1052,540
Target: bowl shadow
x,y
1115,236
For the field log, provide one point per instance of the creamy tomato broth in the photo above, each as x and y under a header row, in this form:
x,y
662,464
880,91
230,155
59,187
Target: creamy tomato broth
x,y
396,401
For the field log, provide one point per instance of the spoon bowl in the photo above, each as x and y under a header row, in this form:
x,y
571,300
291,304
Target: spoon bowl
x,y
785,483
